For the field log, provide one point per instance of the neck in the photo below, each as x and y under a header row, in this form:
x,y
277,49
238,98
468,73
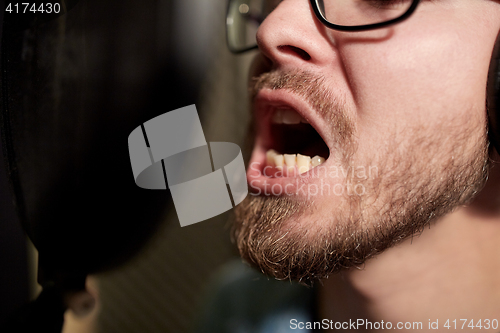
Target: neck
x,y
451,271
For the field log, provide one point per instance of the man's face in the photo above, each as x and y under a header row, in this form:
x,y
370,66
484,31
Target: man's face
x,y
401,116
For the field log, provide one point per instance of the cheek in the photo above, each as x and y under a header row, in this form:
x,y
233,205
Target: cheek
x,y
427,77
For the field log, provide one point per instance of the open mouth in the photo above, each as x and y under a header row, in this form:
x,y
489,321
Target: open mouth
x,y
293,145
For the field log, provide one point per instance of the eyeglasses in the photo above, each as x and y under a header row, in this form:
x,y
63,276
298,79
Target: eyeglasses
x,y
245,16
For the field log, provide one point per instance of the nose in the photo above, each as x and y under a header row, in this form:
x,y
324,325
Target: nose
x,y
292,36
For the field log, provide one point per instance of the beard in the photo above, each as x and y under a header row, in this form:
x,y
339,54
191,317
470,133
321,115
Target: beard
x,y
289,237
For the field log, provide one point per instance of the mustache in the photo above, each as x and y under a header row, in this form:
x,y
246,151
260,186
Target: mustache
x,y
331,107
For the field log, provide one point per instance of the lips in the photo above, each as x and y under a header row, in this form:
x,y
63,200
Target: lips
x,y
289,139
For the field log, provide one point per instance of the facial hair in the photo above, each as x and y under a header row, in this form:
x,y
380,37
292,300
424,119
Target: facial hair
x,y
302,240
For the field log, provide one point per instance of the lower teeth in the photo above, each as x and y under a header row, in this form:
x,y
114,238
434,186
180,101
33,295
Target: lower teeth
x,y
303,162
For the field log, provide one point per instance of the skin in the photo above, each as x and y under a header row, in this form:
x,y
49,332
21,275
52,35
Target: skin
x,y
411,91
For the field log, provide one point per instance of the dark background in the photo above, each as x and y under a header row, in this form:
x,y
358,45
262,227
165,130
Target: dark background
x,y
73,88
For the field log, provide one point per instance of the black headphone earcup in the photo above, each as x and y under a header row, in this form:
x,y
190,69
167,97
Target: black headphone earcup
x,y
493,97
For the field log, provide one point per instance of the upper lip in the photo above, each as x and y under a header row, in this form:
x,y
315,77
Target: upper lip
x,y
267,101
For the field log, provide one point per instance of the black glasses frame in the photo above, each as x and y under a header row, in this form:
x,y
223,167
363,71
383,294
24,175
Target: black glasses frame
x,y
319,15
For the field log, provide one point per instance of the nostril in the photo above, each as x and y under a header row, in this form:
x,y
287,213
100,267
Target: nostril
x,y
292,49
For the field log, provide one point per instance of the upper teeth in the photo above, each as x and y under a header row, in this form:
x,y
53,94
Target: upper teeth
x,y
304,163
287,116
